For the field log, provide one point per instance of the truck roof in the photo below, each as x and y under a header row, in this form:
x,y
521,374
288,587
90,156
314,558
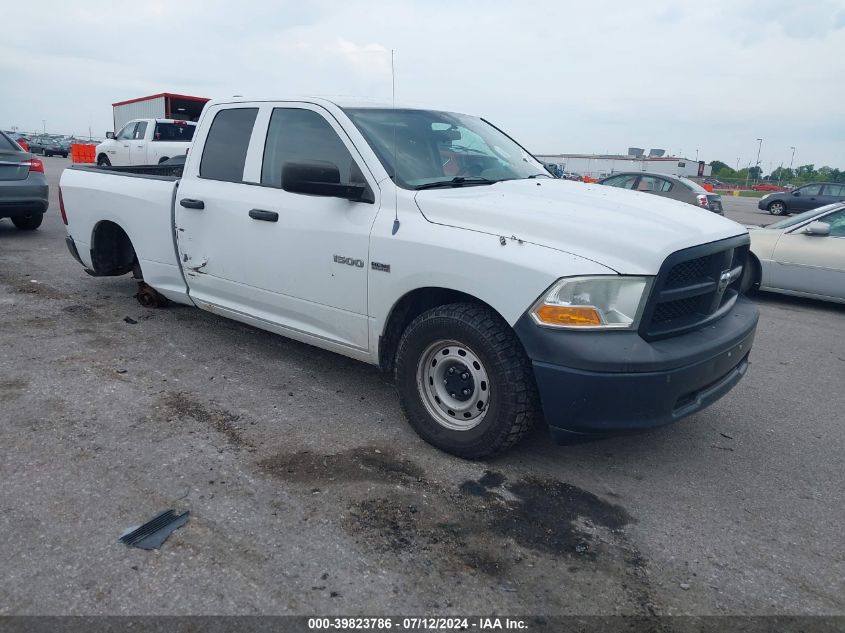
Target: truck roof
x,y
339,101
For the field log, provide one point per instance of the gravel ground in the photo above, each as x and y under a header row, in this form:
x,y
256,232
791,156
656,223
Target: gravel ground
x,y
309,494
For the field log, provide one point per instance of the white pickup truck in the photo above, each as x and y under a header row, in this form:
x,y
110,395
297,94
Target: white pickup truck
x,y
146,142
433,245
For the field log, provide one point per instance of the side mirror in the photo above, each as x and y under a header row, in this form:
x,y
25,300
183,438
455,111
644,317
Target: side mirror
x,y
110,135
321,178
796,193
817,228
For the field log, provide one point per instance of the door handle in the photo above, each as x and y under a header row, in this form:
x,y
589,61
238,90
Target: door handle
x,y
190,203
261,214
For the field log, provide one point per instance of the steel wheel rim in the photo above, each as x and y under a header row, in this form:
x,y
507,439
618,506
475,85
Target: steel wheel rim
x,y
454,385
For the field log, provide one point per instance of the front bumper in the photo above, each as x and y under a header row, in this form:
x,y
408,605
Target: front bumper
x,y
603,383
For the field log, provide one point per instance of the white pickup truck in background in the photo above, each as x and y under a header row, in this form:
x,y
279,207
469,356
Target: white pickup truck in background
x,y
433,245
146,142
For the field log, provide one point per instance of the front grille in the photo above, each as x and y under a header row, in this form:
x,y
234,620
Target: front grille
x,y
694,287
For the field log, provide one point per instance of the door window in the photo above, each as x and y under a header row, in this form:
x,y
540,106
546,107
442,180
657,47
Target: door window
x,y
836,220
224,153
296,135
650,183
126,133
810,190
837,191
140,130
625,181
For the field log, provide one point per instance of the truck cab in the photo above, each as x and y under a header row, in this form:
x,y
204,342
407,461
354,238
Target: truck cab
x,y
146,142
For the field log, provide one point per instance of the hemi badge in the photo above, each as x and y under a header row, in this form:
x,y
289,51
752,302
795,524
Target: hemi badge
x,y
385,268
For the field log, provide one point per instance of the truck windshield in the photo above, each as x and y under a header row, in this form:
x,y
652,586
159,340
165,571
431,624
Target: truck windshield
x,y
181,131
425,149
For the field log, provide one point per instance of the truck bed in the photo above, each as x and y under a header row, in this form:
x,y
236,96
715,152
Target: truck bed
x,y
103,203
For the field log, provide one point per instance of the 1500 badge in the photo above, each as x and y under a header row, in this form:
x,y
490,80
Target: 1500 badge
x,y
349,261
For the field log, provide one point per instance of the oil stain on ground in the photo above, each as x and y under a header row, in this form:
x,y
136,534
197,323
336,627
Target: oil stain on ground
x,y
489,526
182,405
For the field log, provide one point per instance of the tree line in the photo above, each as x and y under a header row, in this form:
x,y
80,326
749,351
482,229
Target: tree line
x,y
783,175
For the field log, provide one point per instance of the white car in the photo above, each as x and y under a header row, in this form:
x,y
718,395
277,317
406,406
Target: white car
x,y
433,245
803,255
145,142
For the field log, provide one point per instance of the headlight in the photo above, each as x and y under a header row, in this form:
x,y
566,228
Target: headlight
x,y
766,196
593,303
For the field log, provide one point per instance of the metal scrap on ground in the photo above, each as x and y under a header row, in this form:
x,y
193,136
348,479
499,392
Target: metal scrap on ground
x,y
154,532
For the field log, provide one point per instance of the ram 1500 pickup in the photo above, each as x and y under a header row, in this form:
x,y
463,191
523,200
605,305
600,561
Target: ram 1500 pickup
x,y
145,142
433,245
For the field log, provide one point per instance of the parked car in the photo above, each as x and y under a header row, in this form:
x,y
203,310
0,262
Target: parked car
x,y
56,148
433,245
805,198
803,255
24,194
766,186
675,187
36,145
714,182
146,142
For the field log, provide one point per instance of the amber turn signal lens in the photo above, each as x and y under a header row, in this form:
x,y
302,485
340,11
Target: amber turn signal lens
x,y
568,315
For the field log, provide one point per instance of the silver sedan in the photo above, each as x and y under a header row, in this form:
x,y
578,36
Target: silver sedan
x,y
803,255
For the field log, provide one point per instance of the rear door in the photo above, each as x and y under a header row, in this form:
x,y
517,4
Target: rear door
x,y
832,193
12,159
812,263
138,144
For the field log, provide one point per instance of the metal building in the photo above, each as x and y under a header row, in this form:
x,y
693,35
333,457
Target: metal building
x,y
602,165
165,105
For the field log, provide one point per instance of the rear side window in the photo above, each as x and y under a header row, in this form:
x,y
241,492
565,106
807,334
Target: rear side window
x,y
7,144
834,190
303,135
180,131
224,154
624,182
650,183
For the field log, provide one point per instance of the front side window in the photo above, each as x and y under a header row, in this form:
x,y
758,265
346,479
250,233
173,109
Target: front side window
x,y
224,153
423,148
126,133
836,220
810,190
297,135
623,182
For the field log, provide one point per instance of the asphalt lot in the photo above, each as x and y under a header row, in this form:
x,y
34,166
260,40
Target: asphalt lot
x,y
309,494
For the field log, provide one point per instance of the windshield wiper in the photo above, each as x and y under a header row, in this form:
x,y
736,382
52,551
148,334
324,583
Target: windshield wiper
x,y
457,181
539,175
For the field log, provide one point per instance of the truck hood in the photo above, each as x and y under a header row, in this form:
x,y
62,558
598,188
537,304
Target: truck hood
x,y
627,231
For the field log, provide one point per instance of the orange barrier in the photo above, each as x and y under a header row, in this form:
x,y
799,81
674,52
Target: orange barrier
x,y
708,187
80,153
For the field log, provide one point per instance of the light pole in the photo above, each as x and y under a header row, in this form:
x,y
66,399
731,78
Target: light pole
x,y
44,125
759,147
696,155
790,162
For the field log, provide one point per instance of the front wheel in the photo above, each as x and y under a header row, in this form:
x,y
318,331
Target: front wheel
x,y
28,222
777,208
464,382
103,161
750,276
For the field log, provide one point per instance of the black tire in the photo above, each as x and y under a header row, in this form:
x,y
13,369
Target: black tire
x,y
513,402
750,276
103,161
47,154
28,222
777,207
64,155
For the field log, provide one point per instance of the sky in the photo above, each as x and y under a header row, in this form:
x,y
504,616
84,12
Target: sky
x,y
561,77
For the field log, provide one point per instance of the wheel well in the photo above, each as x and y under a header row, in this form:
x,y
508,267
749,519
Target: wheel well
x,y
408,308
112,253
162,159
101,156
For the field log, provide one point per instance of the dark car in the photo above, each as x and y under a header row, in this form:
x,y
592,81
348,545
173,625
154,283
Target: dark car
x,y
675,187
56,148
36,144
803,198
24,194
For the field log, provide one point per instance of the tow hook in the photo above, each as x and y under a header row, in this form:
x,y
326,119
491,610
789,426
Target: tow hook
x,y
149,297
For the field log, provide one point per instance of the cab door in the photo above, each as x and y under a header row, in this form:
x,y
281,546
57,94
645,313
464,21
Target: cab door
x,y
119,148
293,260
813,264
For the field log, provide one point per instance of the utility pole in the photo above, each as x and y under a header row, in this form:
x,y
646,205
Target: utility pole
x,y
759,147
44,125
696,155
